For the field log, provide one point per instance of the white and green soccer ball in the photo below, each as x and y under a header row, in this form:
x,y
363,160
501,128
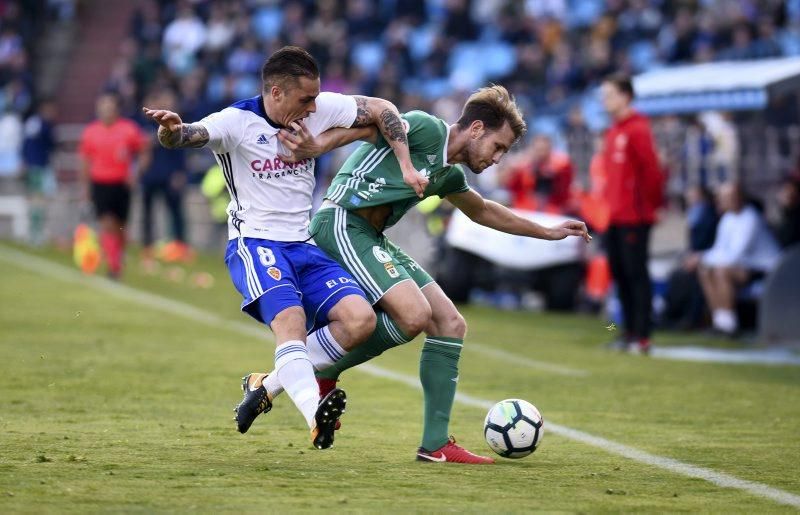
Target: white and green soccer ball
x,y
513,428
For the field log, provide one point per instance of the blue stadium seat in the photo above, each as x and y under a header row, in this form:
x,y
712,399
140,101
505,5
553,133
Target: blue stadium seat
x,y
266,23
368,56
583,13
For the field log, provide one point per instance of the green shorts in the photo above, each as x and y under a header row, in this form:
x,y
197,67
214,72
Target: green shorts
x,y
374,261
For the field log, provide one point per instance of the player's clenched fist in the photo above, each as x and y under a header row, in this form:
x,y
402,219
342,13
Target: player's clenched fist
x,y
416,180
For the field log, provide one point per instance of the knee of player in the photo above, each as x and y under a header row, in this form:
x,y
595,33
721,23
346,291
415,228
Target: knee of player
x,y
415,320
289,324
457,325
451,324
362,324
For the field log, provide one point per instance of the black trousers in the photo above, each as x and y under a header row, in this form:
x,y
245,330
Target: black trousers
x,y
174,201
627,247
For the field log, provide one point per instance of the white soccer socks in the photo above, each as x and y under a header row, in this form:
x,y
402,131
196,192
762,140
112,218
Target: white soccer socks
x,y
296,374
323,351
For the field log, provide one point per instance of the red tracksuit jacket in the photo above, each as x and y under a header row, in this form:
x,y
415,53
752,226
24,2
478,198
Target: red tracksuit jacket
x,y
635,184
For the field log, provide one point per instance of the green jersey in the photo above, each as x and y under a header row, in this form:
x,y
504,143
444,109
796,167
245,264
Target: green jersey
x,y
371,176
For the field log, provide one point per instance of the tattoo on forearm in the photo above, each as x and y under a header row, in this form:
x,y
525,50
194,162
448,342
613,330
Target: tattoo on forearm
x,y
392,127
388,121
362,114
190,135
168,138
194,135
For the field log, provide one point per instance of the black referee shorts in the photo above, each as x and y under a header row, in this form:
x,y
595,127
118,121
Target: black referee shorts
x,y
111,199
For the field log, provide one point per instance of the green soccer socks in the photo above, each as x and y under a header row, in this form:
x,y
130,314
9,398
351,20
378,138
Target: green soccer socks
x,y
386,336
438,372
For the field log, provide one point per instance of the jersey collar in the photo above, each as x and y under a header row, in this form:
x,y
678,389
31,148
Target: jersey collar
x,y
256,106
446,141
269,120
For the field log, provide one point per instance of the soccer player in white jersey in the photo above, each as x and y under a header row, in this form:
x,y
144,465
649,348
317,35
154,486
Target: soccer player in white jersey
x,y
285,280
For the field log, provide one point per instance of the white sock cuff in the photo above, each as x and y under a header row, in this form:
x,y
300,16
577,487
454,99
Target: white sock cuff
x,y
273,384
329,344
289,351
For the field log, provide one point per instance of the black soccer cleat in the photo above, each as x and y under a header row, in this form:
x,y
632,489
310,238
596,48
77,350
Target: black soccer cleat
x,y
255,402
331,407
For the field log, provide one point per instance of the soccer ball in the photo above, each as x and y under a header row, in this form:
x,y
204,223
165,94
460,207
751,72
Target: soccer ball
x,y
513,428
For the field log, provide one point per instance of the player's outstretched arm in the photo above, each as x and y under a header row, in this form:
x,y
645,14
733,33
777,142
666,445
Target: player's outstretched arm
x,y
301,144
385,116
491,214
173,133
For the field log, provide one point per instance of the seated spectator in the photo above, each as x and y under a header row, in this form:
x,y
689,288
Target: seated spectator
x,y
744,250
701,216
789,199
183,37
685,304
542,179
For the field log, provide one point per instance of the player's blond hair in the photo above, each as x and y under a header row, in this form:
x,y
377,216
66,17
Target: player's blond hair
x,y
494,106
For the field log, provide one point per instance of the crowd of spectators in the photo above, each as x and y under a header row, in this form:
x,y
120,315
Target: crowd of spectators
x,y
418,53
20,23
423,54
26,120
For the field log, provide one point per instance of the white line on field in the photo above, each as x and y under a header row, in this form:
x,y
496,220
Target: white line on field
x,y
54,270
678,467
522,360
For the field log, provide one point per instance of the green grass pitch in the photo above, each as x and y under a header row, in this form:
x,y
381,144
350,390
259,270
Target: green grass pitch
x,y
109,402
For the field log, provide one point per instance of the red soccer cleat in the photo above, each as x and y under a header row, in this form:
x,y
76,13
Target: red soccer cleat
x,y
326,386
452,453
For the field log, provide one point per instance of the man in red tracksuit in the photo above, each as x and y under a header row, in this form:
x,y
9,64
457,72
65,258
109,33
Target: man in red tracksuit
x,y
634,191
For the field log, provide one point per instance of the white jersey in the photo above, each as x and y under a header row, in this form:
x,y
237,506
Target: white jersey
x,y
270,199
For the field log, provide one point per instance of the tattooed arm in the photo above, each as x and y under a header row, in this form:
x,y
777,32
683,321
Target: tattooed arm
x,y
384,115
187,135
173,133
301,144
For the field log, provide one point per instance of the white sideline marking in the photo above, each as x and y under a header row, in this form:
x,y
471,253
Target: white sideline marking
x,y
54,270
522,360
678,467
776,356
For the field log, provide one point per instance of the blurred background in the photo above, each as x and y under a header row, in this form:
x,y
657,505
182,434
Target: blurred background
x,y
718,80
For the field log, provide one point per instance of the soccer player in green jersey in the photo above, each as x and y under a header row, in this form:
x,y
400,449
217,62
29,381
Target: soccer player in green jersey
x,y
371,193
